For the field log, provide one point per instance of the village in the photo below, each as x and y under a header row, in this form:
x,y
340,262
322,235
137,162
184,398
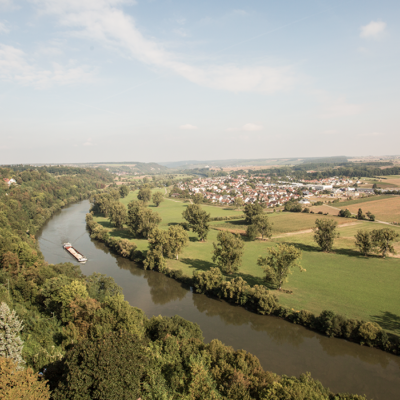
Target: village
x,y
227,190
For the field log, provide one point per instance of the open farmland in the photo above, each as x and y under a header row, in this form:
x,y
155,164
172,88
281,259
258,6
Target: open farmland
x,y
387,209
342,281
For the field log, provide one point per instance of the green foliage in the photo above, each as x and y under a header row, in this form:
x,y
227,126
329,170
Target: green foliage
x,y
10,342
118,214
198,198
157,198
384,239
144,195
345,213
208,281
228,252
123,191
251,211
112,367
261,300
293,206
263,226
360,214
279,262
198,220
252,232
325,233
141,220
364,242
177,240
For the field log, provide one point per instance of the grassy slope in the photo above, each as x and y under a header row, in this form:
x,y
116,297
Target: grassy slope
x,y
344,281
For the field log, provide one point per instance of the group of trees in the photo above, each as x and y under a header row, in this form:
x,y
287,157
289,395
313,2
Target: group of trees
x,y
360,215
376,241
165,244
257,221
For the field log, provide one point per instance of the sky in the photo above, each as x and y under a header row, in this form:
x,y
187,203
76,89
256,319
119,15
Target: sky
x,y
169,80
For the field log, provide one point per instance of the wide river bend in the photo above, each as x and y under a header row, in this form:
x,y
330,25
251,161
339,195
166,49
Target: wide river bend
x,y
282,347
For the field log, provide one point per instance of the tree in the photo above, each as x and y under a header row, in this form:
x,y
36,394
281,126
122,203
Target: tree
x,y
158,198
10,342
383,239
252,232
177,240
279,263
325,233
123,191
263,225
360,214
344,213
118,215
363,241
141,220
238,202
198,220
251,210
370,216
144,195
16,383
228,252
198,198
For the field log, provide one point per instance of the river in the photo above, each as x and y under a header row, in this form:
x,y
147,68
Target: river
x,y
282,347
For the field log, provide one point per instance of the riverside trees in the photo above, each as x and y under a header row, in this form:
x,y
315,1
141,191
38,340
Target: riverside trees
x,y
141,220
163,244
198,220
228,252
279,262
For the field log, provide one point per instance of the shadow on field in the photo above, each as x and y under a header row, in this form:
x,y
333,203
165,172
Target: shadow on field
x,y
106,224
121,233
236,222
309,248
388,320
197,263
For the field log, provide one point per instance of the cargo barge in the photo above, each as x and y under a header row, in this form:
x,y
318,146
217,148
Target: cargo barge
x,y
79,256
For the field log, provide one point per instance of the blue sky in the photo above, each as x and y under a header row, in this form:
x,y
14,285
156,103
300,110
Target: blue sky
x,y
158,80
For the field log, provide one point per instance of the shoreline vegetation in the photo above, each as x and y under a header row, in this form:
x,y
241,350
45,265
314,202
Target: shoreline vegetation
x,y
72,325
257,297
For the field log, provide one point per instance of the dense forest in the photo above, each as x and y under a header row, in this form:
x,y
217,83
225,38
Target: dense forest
x,y
86,341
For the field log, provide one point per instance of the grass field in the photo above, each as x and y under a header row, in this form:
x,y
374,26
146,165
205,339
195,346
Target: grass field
x,y
342,281
384,182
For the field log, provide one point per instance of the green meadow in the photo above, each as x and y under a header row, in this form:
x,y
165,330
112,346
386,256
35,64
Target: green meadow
x,y
343,281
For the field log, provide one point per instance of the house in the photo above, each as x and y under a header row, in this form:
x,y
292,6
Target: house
x,y
304,202
9,181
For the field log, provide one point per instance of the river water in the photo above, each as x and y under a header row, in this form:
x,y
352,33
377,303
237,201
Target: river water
x,y
282,347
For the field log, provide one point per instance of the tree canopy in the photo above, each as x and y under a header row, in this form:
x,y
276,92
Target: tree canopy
x,y
198,220
228,252
325,233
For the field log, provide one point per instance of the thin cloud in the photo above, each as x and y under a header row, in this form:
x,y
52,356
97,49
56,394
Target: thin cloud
x,y
188,127
375,30
15,67
252,127
249,127
103,21
337,107
3,28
